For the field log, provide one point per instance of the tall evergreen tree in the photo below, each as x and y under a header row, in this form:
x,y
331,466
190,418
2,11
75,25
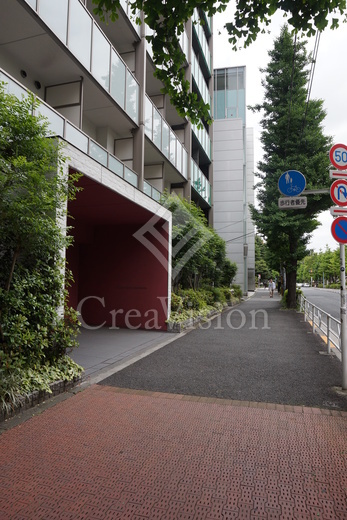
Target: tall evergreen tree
x,y
293,139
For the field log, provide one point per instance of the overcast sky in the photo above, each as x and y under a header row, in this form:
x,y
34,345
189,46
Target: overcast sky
x,y
329,84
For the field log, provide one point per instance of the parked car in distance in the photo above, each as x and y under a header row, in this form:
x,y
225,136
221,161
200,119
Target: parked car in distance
x,y
306,284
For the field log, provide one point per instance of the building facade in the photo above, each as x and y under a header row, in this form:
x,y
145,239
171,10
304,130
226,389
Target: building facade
x,y
233,160
100,96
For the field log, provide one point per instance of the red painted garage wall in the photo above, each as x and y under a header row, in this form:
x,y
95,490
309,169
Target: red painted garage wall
x,y
122,282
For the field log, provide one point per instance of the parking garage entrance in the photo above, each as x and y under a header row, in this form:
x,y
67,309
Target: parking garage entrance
x,y
119,260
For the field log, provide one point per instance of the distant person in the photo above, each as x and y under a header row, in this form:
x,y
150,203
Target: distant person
x,y
272,286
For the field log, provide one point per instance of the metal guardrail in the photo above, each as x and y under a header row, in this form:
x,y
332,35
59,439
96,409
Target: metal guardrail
x,y
323,323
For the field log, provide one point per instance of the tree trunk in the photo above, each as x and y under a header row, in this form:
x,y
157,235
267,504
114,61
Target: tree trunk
x,y
291,286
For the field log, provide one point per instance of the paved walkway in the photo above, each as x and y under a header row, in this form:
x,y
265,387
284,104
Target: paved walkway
x,y
110,452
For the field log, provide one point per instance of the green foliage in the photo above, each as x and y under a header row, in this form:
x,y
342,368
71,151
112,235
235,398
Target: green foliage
x,y
228,273
186,314
167,20
199,253
194,304
176,302
292,138
237,291
318,265
17,384
261,259
285,302
192,299
33,196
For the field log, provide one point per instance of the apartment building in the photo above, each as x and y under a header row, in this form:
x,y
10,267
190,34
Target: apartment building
x,y
100,96
233,159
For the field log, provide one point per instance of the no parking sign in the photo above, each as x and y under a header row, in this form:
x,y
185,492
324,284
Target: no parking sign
x,y
339,230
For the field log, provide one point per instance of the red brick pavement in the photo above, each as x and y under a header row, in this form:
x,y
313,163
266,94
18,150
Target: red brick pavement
x,y
109,453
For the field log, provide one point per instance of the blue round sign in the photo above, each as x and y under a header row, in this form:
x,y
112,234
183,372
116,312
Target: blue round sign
x,y
292,183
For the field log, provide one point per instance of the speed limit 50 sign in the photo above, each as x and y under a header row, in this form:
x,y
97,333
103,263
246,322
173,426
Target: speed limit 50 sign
x,y
338,156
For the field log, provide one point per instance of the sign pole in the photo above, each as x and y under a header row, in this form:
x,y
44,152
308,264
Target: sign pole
x,y
343,317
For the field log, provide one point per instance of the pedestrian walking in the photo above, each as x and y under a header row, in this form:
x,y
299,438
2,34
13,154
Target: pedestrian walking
x,y
272,287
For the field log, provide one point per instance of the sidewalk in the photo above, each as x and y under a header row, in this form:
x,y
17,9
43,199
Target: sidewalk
x,y
194,434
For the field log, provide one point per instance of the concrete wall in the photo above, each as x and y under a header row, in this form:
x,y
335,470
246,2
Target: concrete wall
x,y
233,160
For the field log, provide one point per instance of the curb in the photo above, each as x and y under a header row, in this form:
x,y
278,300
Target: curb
x,y
40,396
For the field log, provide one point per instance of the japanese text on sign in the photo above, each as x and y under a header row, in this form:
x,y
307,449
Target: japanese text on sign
x,y
292,202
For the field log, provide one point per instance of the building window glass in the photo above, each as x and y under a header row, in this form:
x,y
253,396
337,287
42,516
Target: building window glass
x,y
231,79
229,93
165,139
80,33
148,118
117,79
101,58
173,147
132,97
54,14
157,128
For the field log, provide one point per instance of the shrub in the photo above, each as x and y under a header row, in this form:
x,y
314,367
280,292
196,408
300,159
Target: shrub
x,y
218,295
176,302
237,291
16,385
208,295
192,299
227,293
285,297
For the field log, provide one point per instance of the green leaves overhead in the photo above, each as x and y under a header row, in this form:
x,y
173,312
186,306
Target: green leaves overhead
x,y
167,20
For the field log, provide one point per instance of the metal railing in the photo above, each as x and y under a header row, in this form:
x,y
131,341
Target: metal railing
x,y
322,323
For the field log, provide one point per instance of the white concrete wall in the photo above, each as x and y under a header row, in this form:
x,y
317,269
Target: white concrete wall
x,y
228,191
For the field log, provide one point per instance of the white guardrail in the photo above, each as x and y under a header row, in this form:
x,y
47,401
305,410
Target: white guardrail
x,y
322,323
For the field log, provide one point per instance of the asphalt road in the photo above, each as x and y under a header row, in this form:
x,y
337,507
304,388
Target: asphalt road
x,y
255,352
327,299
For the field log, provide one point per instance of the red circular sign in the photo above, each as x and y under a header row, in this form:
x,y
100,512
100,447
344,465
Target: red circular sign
x,y
339,229
338,156
338,192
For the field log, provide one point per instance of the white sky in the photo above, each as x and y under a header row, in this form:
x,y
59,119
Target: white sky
x,y
329,84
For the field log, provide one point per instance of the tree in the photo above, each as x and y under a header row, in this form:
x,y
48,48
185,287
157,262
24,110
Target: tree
x,y
325,264
293,139
198,252
261,263
167,20
33,195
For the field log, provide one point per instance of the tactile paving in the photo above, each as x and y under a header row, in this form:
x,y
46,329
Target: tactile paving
x,y
106,454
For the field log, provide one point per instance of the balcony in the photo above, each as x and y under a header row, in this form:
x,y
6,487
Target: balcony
x,y
71,22
203,139
203,43
200,183
61,127
200,81
164,139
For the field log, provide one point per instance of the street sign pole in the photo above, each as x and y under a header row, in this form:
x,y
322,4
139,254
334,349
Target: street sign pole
x,y
343,317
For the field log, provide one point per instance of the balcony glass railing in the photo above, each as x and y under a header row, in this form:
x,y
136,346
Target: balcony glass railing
x,y
200,33
200,80
61,127
203,138
130,15
160,133
200,183
74,26
151,191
